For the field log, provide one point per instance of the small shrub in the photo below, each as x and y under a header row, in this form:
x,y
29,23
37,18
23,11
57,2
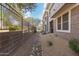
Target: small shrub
x,y
74,45
11,28
50,43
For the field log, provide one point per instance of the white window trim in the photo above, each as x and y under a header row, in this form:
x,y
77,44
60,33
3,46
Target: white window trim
x,y
69,30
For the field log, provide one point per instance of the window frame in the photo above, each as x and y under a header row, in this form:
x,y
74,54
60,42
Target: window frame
x,y
58,23
64,21
69,22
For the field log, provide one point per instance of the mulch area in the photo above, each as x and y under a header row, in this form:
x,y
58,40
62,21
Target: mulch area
x,y
59,47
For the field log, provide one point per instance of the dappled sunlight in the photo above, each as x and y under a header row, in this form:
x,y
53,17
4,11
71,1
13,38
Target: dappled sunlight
x,y
4,30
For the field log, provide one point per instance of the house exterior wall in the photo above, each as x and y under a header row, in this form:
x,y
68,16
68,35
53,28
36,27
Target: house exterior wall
x,y
74,25
45,22
46,18
55,8
73,9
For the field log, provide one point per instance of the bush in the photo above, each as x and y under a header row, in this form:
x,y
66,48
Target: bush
x,y
74,45
11,28
50,43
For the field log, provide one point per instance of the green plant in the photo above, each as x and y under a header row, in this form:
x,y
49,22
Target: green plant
x,y
27,6
17,27
11,28
74,45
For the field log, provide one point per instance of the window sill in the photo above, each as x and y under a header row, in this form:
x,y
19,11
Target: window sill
x,y
67,31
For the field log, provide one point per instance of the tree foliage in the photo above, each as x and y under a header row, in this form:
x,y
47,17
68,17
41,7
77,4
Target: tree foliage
x,y
27,7
32,20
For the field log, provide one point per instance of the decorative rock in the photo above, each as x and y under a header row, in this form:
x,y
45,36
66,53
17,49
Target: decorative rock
x,y
36,50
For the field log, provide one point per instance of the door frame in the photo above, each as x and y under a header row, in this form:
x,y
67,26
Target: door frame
x,y
51,27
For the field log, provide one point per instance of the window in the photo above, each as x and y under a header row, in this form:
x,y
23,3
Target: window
x,y
59,23
63,22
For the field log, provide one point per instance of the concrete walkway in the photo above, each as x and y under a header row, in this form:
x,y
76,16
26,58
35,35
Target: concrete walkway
x,y
59,47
